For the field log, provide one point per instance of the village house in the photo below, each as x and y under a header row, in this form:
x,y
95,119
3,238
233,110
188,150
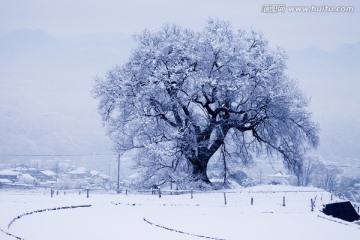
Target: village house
x,y
9,175
4,181
279,178
99,178
26,178
78,173
21,168
44,176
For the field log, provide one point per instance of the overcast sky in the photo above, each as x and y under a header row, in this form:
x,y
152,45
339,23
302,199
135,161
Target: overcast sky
x,y
293,31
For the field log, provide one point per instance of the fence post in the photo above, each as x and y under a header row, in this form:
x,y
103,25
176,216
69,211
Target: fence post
x,y
312,204
252,201
126,192
159,192
331,197
87,192
52,192
191,193
284,201
225,198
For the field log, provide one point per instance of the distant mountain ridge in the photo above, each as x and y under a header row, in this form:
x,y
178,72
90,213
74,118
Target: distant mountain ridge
x,y
331,79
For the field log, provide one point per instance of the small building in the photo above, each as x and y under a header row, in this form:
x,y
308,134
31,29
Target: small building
x,y
45,175
21,168
27,179
100,178
32,170
78,173
9,175
279,178
4,182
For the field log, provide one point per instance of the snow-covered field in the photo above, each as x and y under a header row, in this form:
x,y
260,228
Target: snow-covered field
x,y
144,216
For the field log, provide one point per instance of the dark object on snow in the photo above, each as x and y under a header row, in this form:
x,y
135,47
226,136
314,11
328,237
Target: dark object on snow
x,y
342,210
154,189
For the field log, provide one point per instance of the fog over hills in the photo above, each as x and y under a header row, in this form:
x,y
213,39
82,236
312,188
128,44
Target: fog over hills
x,y
331,79
45,92
47,107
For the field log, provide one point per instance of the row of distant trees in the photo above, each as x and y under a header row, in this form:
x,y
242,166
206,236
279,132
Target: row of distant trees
x,y
316,173
350,188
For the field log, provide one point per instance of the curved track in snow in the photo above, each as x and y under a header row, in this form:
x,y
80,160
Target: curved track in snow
x,y
179,231
35,212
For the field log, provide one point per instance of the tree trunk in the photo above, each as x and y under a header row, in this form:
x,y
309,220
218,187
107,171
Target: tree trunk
x,y
200,162
200,158
200,170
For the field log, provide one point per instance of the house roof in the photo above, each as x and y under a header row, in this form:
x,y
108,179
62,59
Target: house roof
x,y
27,176
48,173
21,167
105,176
77,172
8,172
94,172
279,174
4,180
82,169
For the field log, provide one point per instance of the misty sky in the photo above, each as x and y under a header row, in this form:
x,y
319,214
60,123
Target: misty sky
x,y
293,31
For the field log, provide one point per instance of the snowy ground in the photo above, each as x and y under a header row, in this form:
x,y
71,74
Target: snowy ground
x,y
143,216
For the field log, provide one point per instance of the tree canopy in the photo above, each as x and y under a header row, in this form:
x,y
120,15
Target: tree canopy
x,y
185,96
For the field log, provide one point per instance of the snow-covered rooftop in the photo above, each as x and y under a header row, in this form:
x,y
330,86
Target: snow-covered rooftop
x,y
27,176
21,168
48,173
8,172
82,169
279,174
105,176
94,172
77,171
4,180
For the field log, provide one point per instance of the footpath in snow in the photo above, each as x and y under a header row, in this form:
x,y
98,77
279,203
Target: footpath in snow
x,y
261,212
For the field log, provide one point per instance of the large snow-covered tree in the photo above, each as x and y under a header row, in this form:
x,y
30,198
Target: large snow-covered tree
x,y
184,97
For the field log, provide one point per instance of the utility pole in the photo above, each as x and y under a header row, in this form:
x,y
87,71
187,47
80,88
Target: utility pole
x,y
118,175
